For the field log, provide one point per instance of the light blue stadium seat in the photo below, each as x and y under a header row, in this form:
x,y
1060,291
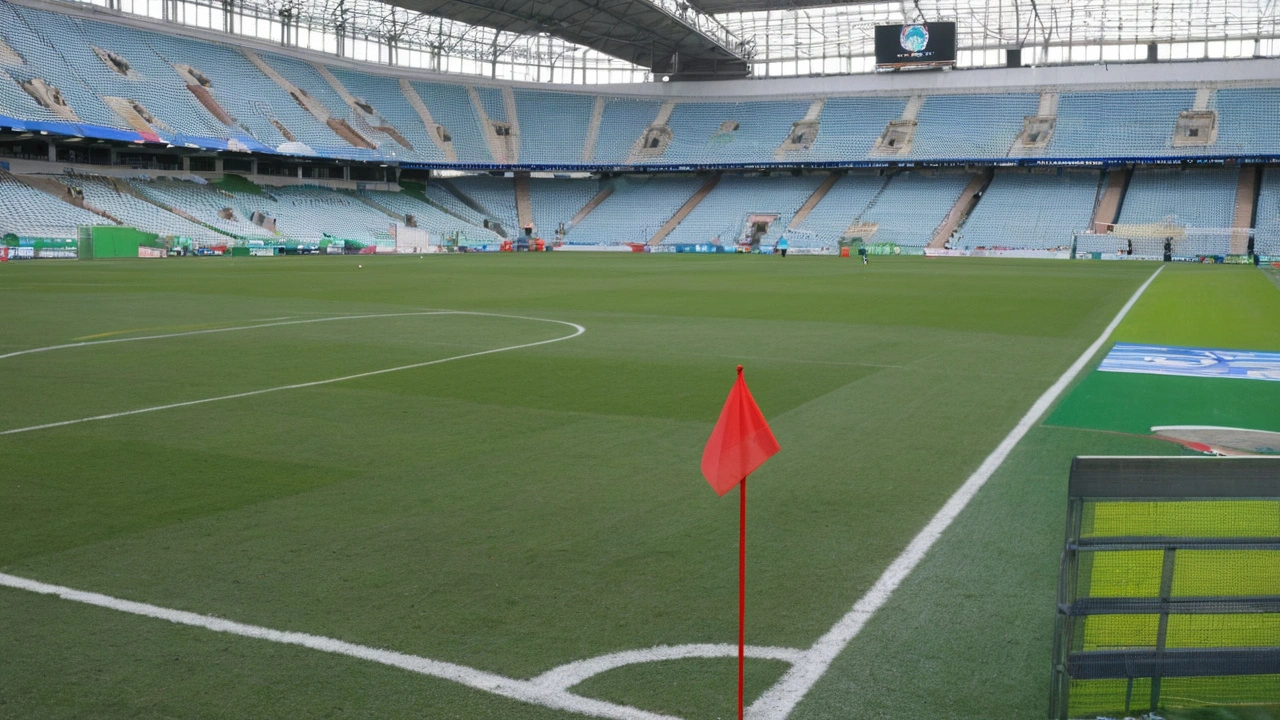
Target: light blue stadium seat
x,y
1032,210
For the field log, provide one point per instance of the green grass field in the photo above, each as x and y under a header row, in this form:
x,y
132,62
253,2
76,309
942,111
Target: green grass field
x,y
519,510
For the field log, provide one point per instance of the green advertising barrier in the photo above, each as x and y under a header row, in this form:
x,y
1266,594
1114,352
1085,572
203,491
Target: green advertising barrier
x,y
109,241
884,248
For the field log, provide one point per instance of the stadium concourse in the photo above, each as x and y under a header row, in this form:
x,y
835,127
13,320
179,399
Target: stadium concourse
x,y
218,144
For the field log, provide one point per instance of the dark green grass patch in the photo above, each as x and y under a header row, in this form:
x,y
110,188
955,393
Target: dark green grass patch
x,y
1133,403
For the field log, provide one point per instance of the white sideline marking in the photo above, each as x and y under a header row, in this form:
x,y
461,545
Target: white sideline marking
x,y
570,674
578,330
523,690
778,701
265,323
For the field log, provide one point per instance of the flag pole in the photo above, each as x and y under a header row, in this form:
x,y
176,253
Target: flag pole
x,y
742,587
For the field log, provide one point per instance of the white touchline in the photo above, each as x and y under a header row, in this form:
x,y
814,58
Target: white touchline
x,y
778,701
578,330
523,690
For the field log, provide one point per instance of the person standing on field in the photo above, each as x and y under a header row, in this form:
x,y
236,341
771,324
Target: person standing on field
x,y
783,245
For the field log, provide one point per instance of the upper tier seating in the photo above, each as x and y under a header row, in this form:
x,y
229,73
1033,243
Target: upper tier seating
x,y
1038,211
1125,124
971,126
555,126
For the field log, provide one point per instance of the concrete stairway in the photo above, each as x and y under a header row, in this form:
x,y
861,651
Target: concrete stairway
x,y
524,204
1112,197
813,201
591,205
1246,196
684,210
964,205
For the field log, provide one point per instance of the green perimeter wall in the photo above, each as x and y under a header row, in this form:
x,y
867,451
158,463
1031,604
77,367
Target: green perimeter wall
x,y
110,241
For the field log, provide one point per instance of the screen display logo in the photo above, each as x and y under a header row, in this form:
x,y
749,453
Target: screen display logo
x,y
914,38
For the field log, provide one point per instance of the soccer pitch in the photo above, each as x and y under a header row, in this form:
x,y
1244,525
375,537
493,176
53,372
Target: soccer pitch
x,y
521,490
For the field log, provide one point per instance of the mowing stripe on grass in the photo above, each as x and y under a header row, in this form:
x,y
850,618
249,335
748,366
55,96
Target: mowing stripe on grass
x,y
778,701
260,324
578,330
546,695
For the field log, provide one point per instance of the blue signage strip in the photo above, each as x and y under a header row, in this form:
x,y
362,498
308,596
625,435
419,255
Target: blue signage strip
x,y
1192,362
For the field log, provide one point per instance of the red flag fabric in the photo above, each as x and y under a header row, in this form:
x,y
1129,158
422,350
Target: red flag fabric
x,y
740,442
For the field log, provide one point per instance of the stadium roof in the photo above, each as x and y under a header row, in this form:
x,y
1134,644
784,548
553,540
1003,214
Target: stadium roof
x,y
670,37
722,6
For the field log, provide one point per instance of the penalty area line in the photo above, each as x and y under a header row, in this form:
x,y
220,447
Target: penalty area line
x,y
778,701
578,330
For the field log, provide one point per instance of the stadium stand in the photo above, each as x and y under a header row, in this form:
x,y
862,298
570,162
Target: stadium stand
x,y
431,217
621,125
1124,124
912,204
843,203
1266,238
1031,210
970,126
1201,198
556,201
118,198
496,197
723,215
208,204
637,208
26,211
553,126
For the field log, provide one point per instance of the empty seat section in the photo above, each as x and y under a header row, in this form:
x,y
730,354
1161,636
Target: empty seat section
x,y
1035,211
205,202
252,98
1247,120
1266,236
555,202
18,26
435,221
305,77
384,95
491,102
621,125
1199,198
553,126
638,207
722,215
1124,124
970,127
309,213
844,202
450,105
754,130
849,127
27,212
913,204
135,212
497,196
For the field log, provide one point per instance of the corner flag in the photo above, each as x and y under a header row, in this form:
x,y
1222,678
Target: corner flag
x,y
740,442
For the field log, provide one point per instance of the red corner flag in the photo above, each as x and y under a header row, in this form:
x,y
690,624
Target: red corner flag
x,y
740,442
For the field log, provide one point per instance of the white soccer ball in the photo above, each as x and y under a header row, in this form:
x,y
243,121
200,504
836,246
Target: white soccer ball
x,y
359,266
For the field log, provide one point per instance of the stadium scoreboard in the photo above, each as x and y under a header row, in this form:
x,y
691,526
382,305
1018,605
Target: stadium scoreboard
x,y
919,45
